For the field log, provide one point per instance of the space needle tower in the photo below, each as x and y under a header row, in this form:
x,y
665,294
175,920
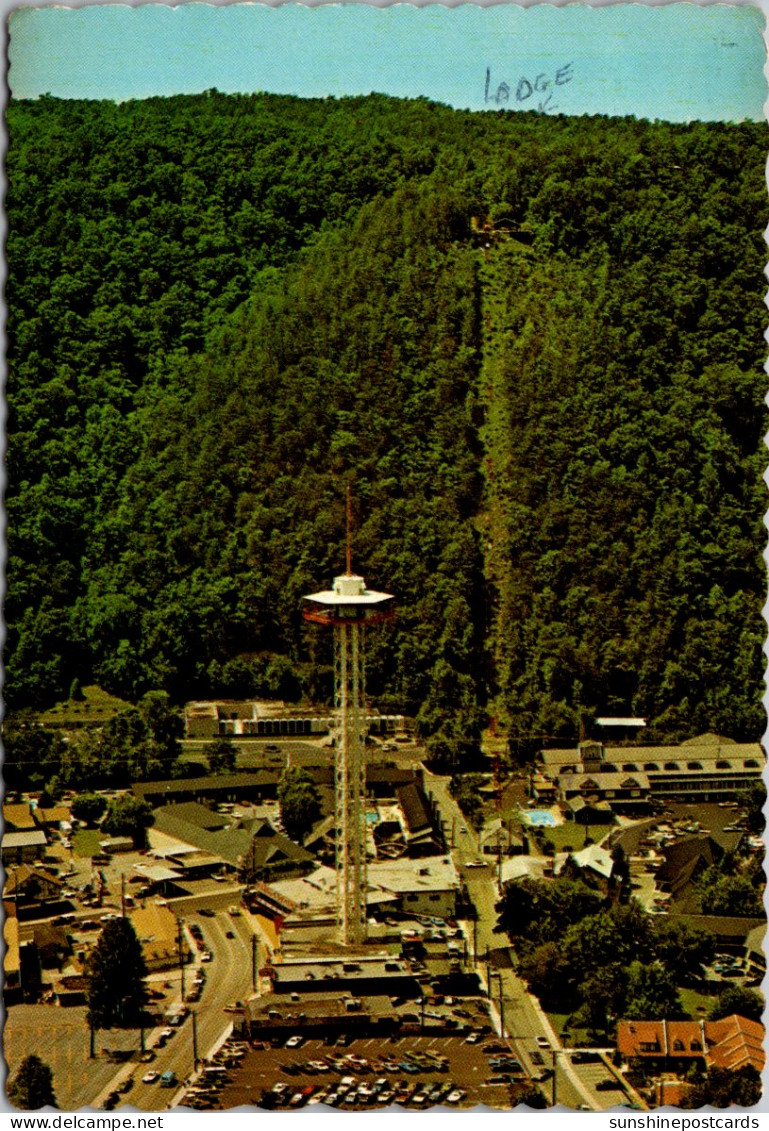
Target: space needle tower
x,y
349,607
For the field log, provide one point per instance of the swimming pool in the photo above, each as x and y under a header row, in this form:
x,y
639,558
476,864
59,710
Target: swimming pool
x,y
540,817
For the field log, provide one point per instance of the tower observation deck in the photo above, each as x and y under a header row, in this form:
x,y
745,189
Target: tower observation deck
x,y
349,607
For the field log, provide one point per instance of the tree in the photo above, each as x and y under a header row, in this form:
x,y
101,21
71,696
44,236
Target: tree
x,y
299,802
603,995
728,895
651,994
682,949
128,816
619,882
752,803
164,725
221,755
549,976
533,1097
534,911
32,1086
114,974
88,807
723,1087
620,935
464,789
738,999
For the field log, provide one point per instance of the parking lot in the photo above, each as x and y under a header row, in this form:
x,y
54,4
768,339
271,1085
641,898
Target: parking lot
x,y
365,1073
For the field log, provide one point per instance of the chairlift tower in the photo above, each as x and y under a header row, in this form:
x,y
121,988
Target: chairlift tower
x,y
349,607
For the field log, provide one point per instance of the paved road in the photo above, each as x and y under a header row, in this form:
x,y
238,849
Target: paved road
x,y
524,1020
228,978
253,753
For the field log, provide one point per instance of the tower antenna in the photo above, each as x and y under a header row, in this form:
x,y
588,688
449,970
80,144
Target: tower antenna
x,y
349,533
349,607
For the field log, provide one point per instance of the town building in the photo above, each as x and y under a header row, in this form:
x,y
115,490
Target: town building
x,y
272,718
370,974
23,847
706,768
162,940
250,845
732,1043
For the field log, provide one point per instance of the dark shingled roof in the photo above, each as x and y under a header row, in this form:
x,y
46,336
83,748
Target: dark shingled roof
x,y
414,805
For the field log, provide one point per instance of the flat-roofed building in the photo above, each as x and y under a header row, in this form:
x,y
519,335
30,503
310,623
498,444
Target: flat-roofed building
x,y
380,974
22,847
426,886
272,718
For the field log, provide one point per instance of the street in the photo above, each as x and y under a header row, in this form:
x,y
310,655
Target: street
x,y
228,979
519,1013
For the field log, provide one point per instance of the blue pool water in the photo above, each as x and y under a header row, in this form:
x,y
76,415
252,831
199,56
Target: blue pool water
x,y
541,817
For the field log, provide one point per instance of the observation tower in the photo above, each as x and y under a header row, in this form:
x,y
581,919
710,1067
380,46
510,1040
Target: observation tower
x,y
349,607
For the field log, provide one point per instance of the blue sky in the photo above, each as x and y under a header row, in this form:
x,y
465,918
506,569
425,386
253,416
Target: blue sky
x,y
678,62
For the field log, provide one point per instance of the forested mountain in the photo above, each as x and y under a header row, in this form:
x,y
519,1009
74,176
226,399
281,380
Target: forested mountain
x,y
532,345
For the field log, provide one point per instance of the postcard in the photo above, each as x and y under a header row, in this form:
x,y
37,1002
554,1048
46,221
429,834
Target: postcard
x,y
384,495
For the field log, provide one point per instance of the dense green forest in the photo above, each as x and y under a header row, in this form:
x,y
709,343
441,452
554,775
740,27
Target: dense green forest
x,y
532,346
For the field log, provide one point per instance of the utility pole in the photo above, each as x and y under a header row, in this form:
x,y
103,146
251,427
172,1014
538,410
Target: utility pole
x,y
122,894
180,942
194,1041
254,964
498,974
475,938
92,1042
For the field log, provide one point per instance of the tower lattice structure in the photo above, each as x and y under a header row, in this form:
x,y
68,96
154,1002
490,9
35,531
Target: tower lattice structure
x,y
350,607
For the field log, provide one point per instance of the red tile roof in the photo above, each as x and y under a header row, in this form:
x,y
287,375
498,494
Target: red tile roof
x,y
729,1043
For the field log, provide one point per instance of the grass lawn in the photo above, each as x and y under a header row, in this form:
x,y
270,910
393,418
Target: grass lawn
x,y
86,842
563,836
696,1005
96,706
576,1037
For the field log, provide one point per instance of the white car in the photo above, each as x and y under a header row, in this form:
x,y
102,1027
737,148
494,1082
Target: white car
x,y
150,1077
294,1042
476,864
543,1042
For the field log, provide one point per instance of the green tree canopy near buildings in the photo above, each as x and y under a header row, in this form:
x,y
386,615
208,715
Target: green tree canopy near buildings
x,y
221,754
724,1087
32,1086
115,973
223,309
128,816
738,999
299,802
88,807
